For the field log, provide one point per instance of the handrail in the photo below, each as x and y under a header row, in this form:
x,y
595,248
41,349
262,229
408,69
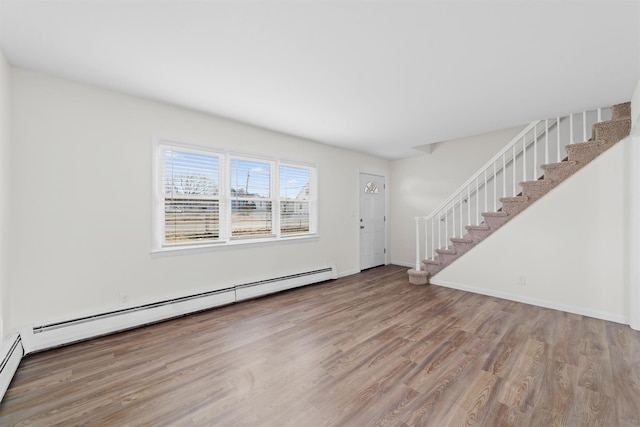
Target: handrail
x,y
511,157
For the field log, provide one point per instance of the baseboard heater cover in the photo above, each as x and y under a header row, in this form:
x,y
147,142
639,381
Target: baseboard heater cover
x,y
264,287
11,354
43,337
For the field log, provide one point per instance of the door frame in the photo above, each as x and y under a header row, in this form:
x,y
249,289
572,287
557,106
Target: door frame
x,y
385,176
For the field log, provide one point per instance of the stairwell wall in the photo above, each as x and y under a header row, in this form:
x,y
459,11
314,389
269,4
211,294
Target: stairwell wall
x,y
421,184
568,247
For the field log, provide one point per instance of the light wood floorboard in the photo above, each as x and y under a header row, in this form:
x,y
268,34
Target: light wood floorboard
x,y
369,349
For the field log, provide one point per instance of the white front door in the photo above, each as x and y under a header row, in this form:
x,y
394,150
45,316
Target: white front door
x,y
372,221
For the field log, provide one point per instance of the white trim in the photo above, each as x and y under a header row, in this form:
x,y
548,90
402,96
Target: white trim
x,y
632,178
534,301
404,264
235,243
347,273
11,353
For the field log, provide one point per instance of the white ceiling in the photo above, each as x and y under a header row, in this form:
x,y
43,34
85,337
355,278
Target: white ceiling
x,y
379,77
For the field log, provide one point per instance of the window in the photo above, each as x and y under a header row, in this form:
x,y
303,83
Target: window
x,y
191,196
207,198
251,204
294,200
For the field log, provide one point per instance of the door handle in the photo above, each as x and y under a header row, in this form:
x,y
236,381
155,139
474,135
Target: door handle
x,y
361,227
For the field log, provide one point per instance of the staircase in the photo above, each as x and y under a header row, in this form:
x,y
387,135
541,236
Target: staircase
x,y
484,185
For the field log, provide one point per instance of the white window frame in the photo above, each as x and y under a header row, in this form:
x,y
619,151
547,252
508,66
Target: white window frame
x,y
158,246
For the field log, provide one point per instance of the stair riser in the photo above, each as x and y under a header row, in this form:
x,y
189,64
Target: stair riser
x,y
433,270
536,189
446,259
495,222
514,208
462,248
477,235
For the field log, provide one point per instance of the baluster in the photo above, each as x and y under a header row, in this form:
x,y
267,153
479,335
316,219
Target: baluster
x,y
535,152
433,237
504,176
599,115
546,141
426,239
485,191
524,158
446,229
439,232
469,205
453,218
460,204
418,244
514,169
477,201
571,128
495,194
558,134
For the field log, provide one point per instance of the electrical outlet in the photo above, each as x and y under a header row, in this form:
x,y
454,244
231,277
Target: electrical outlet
x,y
522,280
123,298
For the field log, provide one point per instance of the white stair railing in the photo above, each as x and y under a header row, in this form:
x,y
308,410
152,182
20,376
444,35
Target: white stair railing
x,y
541,142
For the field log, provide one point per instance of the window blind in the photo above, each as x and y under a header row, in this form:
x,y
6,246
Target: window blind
x,y
251,201
294,200
191,196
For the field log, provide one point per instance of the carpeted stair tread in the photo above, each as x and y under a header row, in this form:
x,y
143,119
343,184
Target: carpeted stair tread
x,y
612,131
560,171
446,251
494,214
460,240
561,165
477,227
515,205
514,199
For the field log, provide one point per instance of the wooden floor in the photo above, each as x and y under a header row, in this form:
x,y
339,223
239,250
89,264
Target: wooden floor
x,y
365,350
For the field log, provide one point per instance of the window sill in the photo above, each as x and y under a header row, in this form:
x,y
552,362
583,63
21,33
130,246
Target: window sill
x,y
230,244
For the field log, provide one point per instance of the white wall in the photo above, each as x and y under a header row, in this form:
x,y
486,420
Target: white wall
x,y
569,246
421,184
82,202
5,121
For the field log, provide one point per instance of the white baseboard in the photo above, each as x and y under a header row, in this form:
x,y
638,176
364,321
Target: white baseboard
x,y
404,264
348,273
534,301
11,353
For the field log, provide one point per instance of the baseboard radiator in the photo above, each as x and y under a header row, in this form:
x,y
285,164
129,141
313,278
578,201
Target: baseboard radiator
x,y
11,353
42,337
